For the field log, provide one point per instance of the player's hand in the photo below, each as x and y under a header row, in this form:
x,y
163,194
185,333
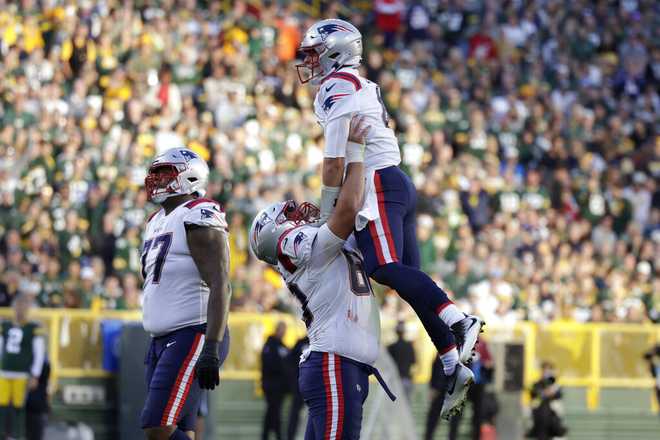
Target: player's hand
x,y
33,383
207,368
358,130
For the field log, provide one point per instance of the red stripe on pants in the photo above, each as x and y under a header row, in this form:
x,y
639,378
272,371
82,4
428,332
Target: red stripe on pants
x,y
374,238
177,383
441,307
328,397
383,216
340,394
447,350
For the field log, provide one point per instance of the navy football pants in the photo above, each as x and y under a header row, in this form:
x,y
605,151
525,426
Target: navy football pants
x,y
334,389
391,255
173,393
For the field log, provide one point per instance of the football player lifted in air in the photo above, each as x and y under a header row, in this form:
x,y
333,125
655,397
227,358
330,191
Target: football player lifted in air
x,y
324,270
185,266
385,226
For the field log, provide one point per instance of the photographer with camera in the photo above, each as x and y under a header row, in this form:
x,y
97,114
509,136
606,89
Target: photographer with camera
x,y
653,358
546,395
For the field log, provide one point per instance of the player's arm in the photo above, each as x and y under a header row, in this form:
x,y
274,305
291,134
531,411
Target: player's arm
x,y
208,248
340,106
349,202
38,358
331,236
338,142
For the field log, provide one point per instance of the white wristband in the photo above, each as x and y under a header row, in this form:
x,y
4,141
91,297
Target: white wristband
x,y
354,152
329,195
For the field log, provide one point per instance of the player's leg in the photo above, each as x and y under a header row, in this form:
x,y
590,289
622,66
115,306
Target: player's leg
x,y
19,386
5,394
410,254
353,391
466,328
170,384
170,409
313,391
334,390
381,243
389,247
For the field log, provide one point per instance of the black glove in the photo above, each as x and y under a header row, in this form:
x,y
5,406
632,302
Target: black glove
x,y
207,368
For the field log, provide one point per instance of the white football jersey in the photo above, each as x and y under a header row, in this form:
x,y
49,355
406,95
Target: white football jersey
x,y
346,93
326,275
175,296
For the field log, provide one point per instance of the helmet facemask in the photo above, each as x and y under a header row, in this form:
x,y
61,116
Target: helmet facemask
x,y
298,214
310,68
162,182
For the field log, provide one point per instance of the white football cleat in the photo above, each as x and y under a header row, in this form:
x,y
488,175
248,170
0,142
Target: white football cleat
x,y
458,385
466,331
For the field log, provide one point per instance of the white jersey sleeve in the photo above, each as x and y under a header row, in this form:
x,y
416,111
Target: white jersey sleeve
x,y
206,213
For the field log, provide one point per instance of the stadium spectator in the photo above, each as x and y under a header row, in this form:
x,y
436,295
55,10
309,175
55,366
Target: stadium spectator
x,y
653,358
274,381
22,355
37,406
403,354
530,131
546,413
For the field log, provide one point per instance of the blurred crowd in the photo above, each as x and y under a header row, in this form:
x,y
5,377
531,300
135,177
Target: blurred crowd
x,y
529,128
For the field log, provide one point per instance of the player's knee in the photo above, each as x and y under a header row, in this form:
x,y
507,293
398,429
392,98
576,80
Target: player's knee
x,y
389,274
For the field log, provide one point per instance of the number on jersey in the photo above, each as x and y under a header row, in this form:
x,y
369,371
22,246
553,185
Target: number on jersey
x,y
162,242
358,277
302,298
14,339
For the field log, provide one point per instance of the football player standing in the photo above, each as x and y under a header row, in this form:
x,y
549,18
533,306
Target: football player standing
x,y
385,226
185,266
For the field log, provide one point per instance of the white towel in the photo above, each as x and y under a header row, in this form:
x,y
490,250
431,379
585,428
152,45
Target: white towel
x,y
369,209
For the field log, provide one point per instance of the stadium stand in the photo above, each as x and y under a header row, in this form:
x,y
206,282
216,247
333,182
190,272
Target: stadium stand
x,y
530,130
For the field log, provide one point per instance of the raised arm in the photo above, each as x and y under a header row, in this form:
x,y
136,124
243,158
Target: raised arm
x,y
336,138
209,249
349,203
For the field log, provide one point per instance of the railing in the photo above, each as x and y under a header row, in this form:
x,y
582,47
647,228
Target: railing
x,y
593,356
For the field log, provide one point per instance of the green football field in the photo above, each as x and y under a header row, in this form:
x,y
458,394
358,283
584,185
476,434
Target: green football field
x,y
237,410
624,414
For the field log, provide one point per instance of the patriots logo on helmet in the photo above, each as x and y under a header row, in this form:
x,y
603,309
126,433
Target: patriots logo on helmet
x,y
188,155
328,29
260,225
296,242
330,100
